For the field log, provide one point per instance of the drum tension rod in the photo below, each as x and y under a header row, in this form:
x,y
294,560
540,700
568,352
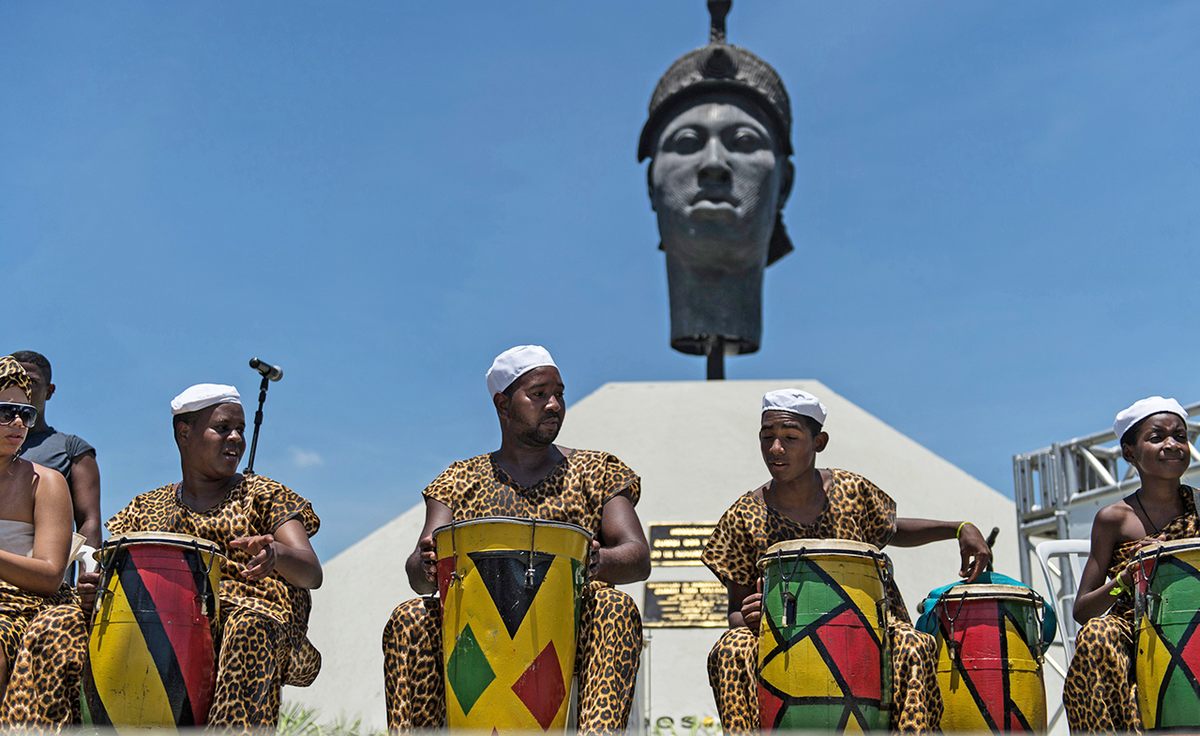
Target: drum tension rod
x,y
529,571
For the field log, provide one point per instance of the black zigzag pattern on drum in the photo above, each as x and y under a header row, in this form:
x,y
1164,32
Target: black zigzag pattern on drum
x,y
146,612
504,574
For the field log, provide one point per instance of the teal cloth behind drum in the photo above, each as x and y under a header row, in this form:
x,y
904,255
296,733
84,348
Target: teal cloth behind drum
x,y
928,621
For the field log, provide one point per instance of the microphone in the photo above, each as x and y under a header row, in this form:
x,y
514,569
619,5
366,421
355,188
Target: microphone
x,y
268,371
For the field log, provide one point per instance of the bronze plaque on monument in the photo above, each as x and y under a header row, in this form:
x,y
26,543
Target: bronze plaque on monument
x,y
679,545
685,604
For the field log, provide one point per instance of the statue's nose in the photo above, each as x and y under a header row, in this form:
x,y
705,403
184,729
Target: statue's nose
x,y
714,166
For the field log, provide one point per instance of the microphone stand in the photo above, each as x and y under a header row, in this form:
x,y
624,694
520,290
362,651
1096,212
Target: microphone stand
x,y
258,418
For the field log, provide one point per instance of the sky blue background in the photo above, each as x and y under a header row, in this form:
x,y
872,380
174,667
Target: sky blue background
x,y
996,215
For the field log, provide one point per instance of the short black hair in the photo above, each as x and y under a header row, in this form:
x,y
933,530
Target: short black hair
x,y
814,427
36,359
1130,436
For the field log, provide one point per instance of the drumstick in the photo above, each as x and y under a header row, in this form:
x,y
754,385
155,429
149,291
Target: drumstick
x,y
991,540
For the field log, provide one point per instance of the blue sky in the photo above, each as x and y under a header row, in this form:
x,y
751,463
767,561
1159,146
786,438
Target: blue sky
x,y
992,206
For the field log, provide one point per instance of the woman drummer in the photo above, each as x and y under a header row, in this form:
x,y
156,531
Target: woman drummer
x,y
35,522
804,502
1099,695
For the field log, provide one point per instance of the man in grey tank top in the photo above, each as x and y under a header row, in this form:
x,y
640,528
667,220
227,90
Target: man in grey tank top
x,y
67,453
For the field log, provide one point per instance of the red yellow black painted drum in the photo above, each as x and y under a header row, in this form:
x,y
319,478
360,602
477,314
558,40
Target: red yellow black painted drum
x,y
511,592
1167,616
823,657
151,654
990,659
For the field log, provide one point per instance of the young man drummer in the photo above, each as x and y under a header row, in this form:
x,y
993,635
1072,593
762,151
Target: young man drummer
x,y
529,477
1099,693
263,528
35,524
804,502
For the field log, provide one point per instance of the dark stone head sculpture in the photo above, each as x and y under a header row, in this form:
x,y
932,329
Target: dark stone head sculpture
x,y
718,137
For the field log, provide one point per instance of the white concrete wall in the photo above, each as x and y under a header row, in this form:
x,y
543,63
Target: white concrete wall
x,y
695,446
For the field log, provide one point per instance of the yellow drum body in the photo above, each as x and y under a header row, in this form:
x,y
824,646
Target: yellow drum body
x,y
1167,596
511,592
823,658
989,659
151,654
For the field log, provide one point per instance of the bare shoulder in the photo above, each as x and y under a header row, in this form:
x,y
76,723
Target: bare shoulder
x,y
46,479
1113,514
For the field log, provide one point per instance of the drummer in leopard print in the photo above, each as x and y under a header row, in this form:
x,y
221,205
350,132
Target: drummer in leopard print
x,y
1100,695
804,502
261,526
529,477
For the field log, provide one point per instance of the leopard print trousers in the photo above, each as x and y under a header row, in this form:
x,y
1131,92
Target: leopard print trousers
x,y
43,684
609,652
255,660
1100,693
916,699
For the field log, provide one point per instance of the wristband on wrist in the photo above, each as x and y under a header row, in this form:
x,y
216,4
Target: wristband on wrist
x,y
958,532
1118,587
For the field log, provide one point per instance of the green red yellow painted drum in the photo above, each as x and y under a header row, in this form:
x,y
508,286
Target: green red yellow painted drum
x,y
989,659
823,658
151,658
1167,615
511,592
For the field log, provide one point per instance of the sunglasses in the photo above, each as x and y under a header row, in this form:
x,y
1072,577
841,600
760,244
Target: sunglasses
x,y
10,412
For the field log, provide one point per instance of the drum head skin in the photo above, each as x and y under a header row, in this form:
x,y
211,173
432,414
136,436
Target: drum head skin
x,y
171,538
1174,547
511,520
794,547
1005,592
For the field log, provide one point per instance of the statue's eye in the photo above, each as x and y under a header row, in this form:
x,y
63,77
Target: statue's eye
x,y
746,139
686,141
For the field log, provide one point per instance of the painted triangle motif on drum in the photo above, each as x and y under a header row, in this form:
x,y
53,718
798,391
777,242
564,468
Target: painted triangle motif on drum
x,y
854,654
468,670
540,687
508,580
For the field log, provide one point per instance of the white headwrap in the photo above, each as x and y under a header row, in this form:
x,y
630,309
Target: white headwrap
x,y
795,401
202,396
1139,410
514,363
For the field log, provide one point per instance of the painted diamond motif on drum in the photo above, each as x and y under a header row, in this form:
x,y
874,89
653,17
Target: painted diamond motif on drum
x,y
467,670
541,687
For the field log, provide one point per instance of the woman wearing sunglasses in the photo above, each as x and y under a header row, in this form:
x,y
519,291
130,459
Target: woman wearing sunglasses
x,y
35,522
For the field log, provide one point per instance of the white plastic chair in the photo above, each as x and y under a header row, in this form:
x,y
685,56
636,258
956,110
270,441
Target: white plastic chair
x,y
1062,562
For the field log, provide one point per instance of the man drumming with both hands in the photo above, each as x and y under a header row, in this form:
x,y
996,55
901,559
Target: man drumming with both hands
x,y
261,526
529,477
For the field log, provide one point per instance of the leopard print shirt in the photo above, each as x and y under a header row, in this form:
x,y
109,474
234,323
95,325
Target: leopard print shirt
x,y
855,509
575,491
256,505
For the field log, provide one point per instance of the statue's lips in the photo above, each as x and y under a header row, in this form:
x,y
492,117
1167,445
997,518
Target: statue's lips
x,y
713,200
713,205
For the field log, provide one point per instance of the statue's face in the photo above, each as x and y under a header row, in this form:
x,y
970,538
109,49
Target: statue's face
x,y
717,181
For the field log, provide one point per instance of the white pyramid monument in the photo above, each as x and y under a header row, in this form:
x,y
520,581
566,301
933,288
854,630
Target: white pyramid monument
x,y
695,445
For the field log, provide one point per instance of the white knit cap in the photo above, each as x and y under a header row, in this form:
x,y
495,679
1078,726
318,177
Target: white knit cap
x,y
202,396
1142,408
514,363
795,401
